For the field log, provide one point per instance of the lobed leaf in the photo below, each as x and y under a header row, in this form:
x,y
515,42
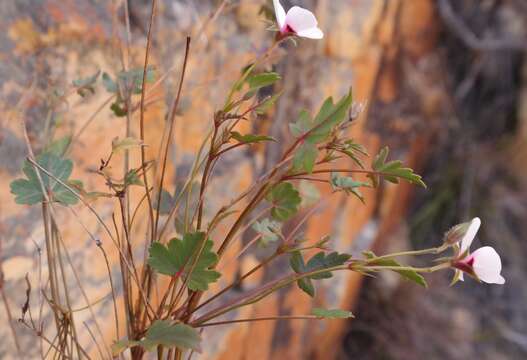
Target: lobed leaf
x,y
177,258
285,199
328,118
29,191
319,261
393,171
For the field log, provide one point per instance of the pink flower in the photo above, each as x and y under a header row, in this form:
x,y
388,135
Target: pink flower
x,y
484,263
297,21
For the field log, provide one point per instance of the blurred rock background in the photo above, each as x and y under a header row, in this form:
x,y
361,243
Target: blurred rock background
x,y
445,83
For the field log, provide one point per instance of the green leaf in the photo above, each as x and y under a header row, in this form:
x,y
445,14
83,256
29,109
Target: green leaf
x,y
125,144
262,80
306,285
348,185
250,138
302,125
328,118
132,178
59,146
319,261
177,258
26,192
406,274
109,84
269,230
285,199
393,171
29,191
332,314
305,157
164,333
380,159
322,261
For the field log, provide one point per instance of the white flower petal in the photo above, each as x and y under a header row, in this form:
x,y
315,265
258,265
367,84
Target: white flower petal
x,y
470,234
487,265
279,13
299,19
313,33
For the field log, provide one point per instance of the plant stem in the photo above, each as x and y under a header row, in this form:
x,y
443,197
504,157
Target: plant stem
x,y
436,250
304,317
430,269
172,120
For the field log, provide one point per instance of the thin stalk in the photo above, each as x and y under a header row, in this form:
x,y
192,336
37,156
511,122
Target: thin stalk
x,y
142,116
67,296
50,258
112,286
430,269
272,318
436,250
198,162
94,340
205,176
171,121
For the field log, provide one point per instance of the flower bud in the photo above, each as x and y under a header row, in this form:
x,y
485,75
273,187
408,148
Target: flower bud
x,y
456,233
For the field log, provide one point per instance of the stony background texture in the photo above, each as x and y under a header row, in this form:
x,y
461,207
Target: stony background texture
x,y
381,48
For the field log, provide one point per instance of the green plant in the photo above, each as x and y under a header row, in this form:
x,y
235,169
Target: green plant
x,y
190,260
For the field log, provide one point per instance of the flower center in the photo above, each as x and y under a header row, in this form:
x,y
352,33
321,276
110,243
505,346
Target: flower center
x,y
288,29
465,264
